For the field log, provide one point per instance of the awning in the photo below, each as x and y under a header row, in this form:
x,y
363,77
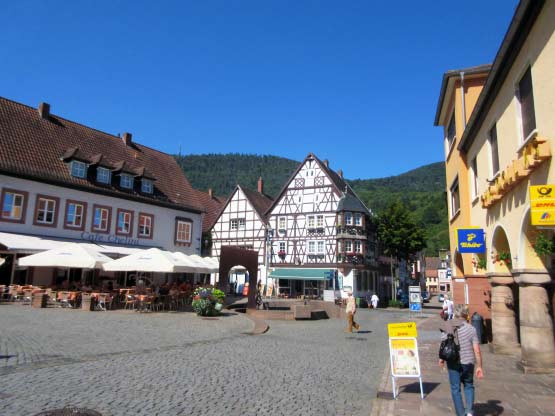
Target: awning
x,y
151,260
302,274
70,255
22,243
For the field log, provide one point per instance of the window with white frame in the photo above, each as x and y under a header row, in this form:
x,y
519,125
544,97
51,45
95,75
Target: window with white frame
x,y
310,221
126,181
474,177
348,218
46,211
494,151
147,186
358,219
312,247
348,246
145,225
78,169
183,231
321,247
282,223
74,214
525,99
103,175
319,221
237,224
358,246
101,217
282,246
12,207
124,222
455,198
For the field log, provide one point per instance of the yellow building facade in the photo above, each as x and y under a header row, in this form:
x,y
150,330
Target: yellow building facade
x,y
505,149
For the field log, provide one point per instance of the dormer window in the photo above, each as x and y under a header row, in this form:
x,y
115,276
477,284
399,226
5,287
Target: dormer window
x,y
126,181
78,169
103,175
147,186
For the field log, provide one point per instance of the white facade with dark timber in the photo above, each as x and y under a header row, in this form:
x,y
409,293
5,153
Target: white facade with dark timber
x,y
242,224
319,227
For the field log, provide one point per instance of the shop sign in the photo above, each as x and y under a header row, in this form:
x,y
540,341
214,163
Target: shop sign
x,y
542,204
471,240
109,238
402,329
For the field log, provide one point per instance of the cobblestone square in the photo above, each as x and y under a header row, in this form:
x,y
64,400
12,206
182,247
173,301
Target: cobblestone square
x,y
126,363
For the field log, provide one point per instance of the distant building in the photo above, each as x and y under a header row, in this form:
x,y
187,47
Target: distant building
x,y
432,278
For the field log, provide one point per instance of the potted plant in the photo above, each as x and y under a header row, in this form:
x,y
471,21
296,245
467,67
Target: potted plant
x,y
544,246
207,301
281,254
503,257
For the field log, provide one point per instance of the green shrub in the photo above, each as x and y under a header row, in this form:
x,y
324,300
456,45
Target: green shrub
x,y
205,300
395,303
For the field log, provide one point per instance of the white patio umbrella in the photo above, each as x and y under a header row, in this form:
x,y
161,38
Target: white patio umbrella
x,y
201,264
151,260
70,255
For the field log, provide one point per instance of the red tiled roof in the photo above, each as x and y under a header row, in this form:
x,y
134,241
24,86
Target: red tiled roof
x,y
213,206
260,202
33,147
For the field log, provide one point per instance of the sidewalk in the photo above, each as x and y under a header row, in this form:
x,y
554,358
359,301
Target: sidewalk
x,y
504,390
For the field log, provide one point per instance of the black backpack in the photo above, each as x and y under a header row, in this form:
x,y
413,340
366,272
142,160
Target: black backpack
x,y
449,349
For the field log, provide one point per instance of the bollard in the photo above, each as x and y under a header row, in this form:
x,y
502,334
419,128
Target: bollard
x,y
477,323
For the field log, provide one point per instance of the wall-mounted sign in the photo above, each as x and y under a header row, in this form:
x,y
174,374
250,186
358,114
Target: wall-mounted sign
x,y
109,238
542,204
471,240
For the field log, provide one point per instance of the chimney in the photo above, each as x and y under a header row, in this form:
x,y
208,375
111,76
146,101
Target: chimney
x,y
260,185
326,163
210,193
44,110
127,138
340,173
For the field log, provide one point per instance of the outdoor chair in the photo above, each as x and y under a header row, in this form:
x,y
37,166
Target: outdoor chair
x,y
64,300
27,296
129,302
101,303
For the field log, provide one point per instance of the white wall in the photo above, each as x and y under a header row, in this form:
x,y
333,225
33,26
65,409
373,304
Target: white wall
x,y
164,218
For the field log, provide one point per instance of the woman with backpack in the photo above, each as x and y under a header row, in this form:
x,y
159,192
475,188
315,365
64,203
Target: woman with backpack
x,y
460,349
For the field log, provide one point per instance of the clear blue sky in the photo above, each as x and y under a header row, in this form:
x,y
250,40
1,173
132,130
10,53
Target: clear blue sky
x,y
355,82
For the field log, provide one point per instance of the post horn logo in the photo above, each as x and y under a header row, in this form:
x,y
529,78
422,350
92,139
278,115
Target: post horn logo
x,y
545,190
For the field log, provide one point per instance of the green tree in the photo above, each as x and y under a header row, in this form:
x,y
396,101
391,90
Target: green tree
x,y
398,233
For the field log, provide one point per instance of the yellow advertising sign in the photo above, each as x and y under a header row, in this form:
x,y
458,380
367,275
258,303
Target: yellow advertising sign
x,y
542,204
404,358
402,329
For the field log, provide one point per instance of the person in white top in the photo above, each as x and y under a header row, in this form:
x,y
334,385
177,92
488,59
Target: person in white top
x,y
374,300
448,306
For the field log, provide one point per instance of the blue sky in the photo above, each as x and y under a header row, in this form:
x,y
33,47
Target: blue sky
x,y
355,82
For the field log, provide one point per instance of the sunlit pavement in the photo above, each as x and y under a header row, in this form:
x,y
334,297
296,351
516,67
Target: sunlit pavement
x,y
127,363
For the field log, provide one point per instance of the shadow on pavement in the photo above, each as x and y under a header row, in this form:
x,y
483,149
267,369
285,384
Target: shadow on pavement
x,y
414,387
492,407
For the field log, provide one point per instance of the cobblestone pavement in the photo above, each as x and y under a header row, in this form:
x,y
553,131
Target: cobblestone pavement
x,y
125,363
504,390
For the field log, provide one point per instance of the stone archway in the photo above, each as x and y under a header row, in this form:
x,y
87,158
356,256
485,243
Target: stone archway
x,y
528,259
234,256
459,264
500,248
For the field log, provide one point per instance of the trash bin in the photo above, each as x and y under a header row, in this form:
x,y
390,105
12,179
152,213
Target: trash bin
x,y
38,300
87,302
477,323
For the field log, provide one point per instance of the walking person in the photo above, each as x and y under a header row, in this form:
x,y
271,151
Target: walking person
x,y
468,364
448,306
351,310
374,300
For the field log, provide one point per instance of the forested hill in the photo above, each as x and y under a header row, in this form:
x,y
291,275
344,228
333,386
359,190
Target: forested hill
x,y
421,189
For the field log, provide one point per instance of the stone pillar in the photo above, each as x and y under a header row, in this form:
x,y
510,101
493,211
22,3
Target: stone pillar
x,y
503,321
536,323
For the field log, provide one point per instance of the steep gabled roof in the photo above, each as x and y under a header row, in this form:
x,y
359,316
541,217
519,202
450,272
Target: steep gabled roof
x,y
260,202
35,147
350,202
337,182
212,206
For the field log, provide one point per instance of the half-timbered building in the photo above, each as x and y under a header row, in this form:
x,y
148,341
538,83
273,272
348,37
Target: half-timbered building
x,y
242,223
322,235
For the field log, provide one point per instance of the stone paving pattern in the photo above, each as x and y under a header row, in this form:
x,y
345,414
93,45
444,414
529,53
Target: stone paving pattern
x,y
126,363
504,390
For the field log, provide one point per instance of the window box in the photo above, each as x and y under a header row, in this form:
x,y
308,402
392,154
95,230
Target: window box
x,y
282,254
